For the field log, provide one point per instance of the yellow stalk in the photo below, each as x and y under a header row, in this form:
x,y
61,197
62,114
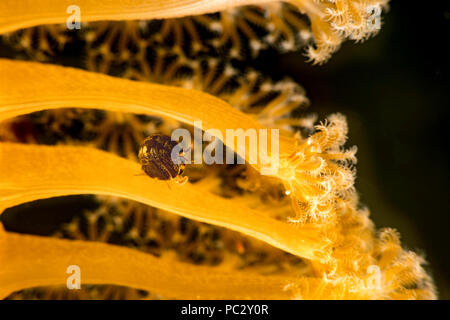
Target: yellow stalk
x,y
31,86
31,172
30,261
28,13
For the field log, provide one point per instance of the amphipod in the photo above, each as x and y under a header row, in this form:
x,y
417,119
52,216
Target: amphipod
x,y
156,161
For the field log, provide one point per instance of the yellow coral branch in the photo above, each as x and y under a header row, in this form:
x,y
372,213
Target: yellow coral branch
x,y
27,13
30,261
30,172
31,86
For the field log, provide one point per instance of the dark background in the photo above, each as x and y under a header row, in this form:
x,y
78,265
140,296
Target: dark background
x,y
394,90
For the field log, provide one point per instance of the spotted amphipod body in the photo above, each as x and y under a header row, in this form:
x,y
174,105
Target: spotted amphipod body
x,y
156,161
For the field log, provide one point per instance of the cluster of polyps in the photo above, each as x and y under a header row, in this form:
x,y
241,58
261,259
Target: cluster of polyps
x,y
333,21
318,171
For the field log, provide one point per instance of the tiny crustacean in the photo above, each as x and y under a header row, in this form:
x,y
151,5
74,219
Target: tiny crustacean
x,y
156,161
